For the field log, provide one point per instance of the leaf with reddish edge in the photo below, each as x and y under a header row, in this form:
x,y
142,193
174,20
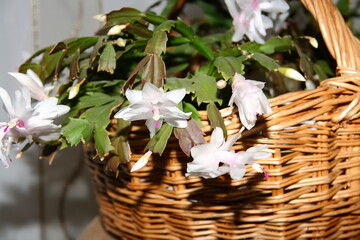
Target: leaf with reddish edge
x,y
107,61
74,65
157,43
190,136
154,71
130,81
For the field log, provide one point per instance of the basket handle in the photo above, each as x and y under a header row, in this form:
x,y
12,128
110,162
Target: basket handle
x,y
341,43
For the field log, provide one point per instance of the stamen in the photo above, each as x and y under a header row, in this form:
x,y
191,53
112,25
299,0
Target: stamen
x,y
265,173
6,128
20,123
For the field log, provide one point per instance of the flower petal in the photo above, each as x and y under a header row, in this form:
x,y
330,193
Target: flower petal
x,y
237,173
141,162
37,91
176,95
217,137
133,96
7,102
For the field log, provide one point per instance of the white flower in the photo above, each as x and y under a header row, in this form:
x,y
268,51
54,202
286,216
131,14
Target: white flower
x,y
250,100
155,106
236,166
31,122
32,82
248,18
208,156
216,158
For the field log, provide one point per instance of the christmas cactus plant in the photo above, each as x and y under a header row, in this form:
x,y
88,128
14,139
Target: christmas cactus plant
x,y
163,69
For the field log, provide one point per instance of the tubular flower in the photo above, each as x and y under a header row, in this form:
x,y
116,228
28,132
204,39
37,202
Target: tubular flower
x,y
250,100
248,18
208,156
155,106
31,122
216,158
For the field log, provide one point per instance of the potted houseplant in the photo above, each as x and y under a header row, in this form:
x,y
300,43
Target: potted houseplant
x,y
175,129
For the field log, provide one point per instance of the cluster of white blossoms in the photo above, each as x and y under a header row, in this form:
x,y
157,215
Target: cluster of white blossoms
x,y
210,159
27,121
216,158
249,20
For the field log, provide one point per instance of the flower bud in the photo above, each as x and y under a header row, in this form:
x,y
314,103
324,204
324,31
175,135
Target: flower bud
x,y
292,73
221,84
116,29
121,42
312,41
100,17
74,91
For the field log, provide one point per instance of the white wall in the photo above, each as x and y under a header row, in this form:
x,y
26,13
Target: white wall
x,y
19,184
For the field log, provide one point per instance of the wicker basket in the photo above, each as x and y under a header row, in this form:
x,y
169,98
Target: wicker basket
x,y
313,191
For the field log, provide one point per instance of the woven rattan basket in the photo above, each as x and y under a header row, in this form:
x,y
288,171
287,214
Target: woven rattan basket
x,y
313,191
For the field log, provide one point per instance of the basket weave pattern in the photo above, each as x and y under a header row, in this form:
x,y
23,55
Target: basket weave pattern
x,y
313,191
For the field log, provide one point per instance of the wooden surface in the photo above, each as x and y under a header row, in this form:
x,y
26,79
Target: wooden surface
x,y
94,231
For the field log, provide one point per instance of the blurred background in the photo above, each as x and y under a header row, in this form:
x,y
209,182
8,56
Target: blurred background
x,y
38,201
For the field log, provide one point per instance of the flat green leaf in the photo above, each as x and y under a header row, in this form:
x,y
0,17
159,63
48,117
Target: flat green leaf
x,y
107,61
184,29
82,43
154,71
49,63
157,43
154,18
305,63
277,44
215,117
158,142
203,48
59,64
95,52
205,88
121,145
75,130
265,61
74,65
229,52
228,66
58,47
102,142
94,99
130,81
139,30
123,16
166,26
250,46
100,115
175,83
176,41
